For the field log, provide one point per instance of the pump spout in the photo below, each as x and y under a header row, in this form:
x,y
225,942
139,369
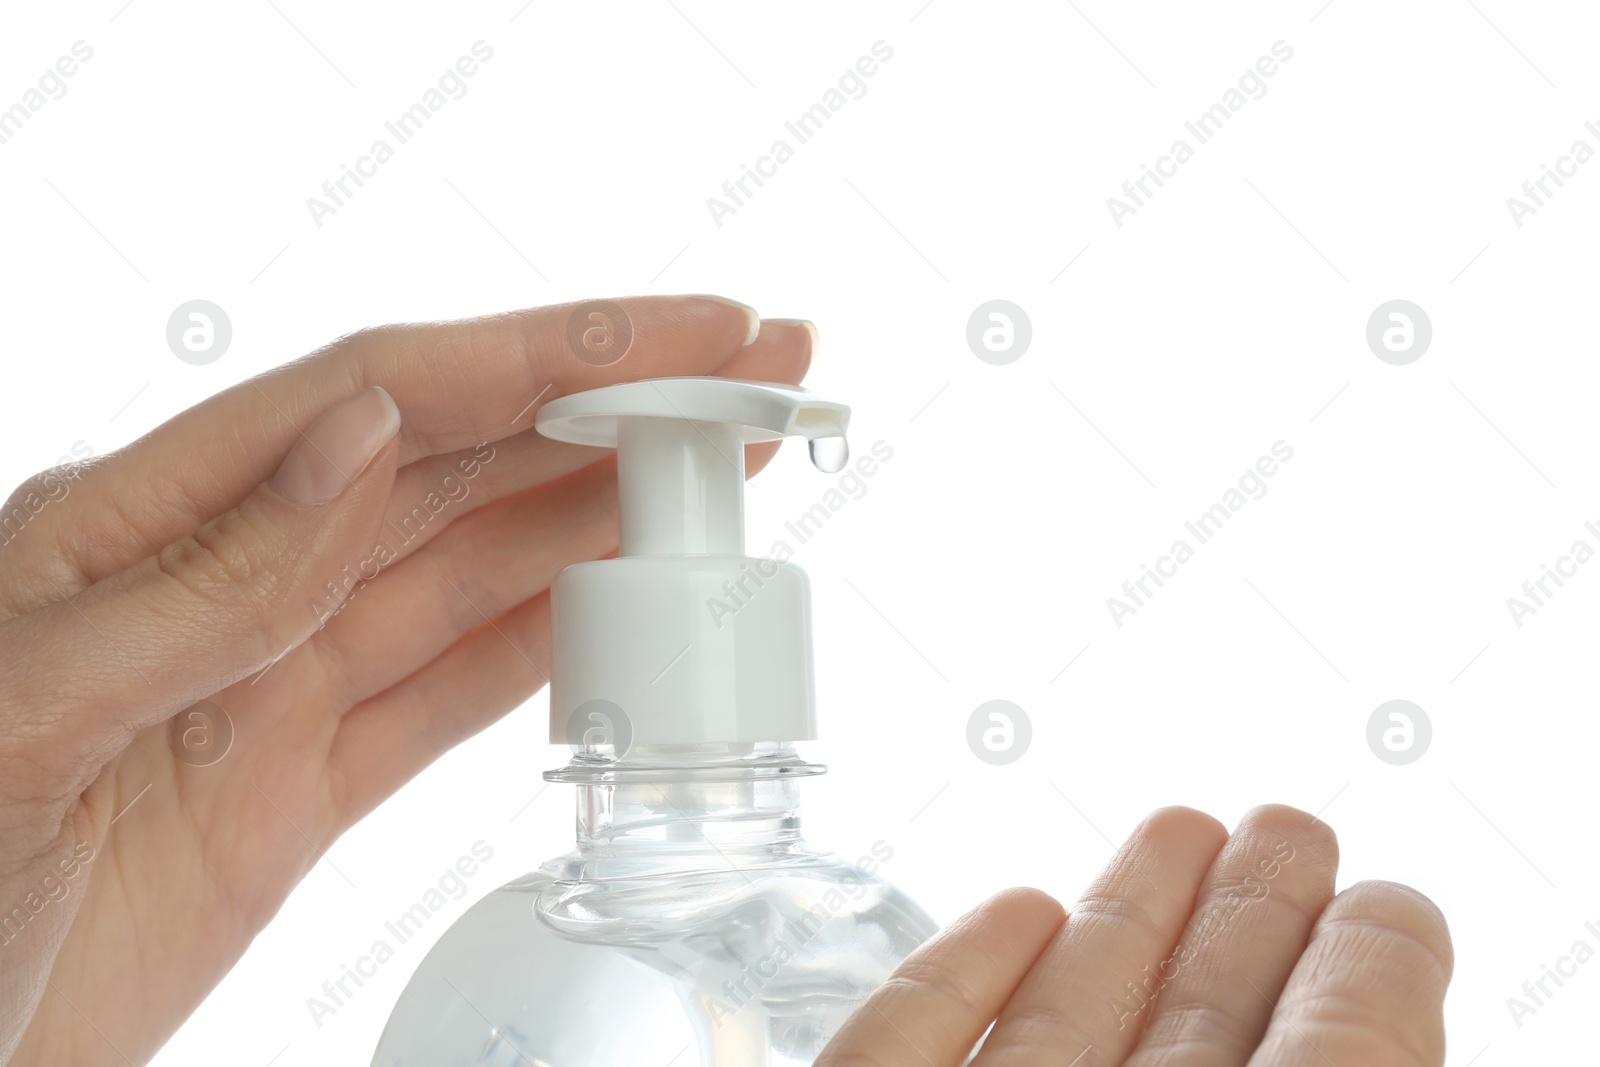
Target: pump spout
x,y
680,452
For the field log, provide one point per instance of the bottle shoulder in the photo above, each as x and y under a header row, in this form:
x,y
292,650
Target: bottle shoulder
x,y
619,897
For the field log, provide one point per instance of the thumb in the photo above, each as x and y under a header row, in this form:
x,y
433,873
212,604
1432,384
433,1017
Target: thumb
x,y
213,607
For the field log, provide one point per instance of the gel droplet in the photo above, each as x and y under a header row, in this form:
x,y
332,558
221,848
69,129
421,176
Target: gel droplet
x,y
830,454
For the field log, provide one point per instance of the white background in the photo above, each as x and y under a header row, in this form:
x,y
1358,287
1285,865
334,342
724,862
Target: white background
x,y
1227,314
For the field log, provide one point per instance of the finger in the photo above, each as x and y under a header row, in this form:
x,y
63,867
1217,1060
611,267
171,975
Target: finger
x,y
1211,1001
935,1006
483,565
1083,992
385,741
210,607
1370,987
461,481
487,560
456,383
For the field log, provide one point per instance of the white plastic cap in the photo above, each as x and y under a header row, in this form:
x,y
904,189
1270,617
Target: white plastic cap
x,y
685,639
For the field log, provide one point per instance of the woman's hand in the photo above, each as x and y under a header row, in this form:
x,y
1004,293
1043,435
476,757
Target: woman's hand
x,y
224,558
1192,949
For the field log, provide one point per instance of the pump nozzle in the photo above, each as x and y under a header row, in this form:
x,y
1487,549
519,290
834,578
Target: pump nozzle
x,y
680,452
692,639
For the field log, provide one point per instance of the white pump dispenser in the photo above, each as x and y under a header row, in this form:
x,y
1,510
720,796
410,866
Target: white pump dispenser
x,y
693,640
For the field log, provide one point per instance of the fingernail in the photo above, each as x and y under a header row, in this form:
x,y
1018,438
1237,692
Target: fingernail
x,y
754,328
810,326
337,447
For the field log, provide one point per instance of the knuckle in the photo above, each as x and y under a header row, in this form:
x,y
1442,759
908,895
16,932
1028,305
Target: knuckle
x,y
1386,916
1366,1032
1112,906
229,560
365,338
921,980
372,349
1195,1023
1031,1027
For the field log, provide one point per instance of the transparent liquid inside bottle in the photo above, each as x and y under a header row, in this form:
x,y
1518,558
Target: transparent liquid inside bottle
x,y
691,925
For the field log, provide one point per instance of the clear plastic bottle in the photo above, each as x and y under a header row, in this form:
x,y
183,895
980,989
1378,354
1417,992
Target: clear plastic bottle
x,y
692,925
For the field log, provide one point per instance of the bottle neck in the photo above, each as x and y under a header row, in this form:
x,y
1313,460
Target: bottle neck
x,y
731,798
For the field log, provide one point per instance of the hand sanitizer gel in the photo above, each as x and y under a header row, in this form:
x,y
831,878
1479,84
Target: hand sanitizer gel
x,y
691,924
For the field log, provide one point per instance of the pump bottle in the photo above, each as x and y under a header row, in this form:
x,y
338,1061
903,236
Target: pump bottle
x,y
691,924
